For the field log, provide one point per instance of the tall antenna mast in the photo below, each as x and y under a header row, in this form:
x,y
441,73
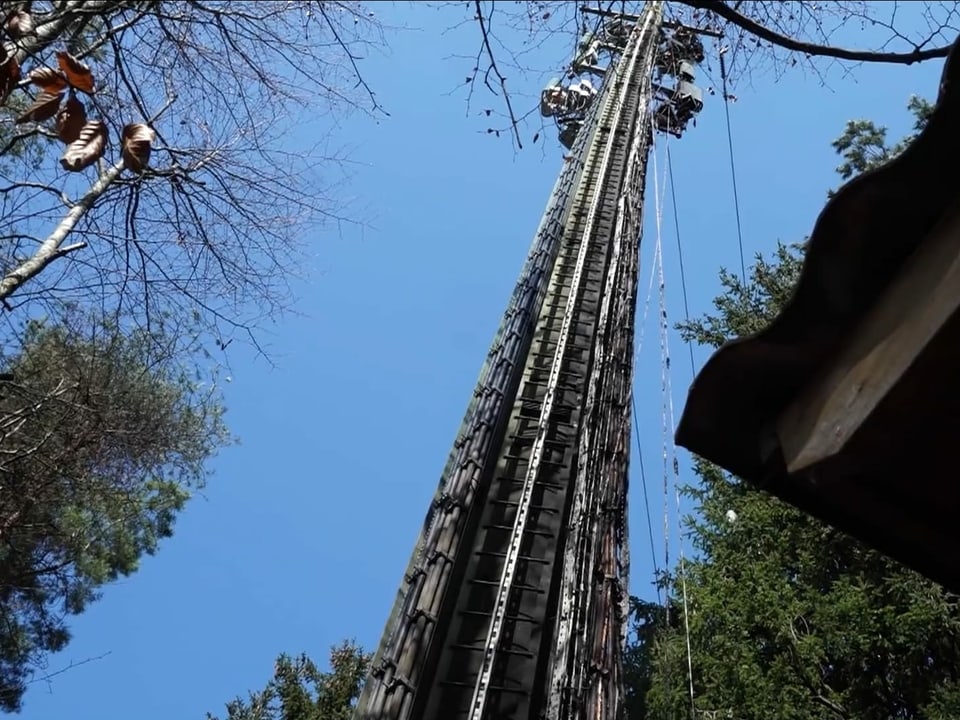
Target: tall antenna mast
x,y
514,604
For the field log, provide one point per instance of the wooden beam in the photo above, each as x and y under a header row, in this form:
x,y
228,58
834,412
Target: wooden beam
x,y
916,305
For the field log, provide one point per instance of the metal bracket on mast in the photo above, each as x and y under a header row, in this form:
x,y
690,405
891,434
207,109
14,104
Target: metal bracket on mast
x,y
679,50
568,103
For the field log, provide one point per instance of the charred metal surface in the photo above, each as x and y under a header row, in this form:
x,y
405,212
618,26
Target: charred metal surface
x,y
586,673
889,486
513,606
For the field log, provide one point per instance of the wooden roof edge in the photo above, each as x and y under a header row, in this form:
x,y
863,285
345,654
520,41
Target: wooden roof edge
x,y
859,246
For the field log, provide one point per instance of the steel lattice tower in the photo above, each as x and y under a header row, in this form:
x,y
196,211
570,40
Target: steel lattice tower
x,y
514,604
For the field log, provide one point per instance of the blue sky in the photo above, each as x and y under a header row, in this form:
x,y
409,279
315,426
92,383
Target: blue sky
x,y
302,537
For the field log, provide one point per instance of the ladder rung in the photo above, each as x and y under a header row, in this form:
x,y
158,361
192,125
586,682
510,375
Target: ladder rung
x,y
527,558
496,583
497,688
539,483
541,533
512,618
505,651
510,503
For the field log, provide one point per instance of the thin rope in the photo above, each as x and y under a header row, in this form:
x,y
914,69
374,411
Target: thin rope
x,y
646,496
638,345
658,216
733,167
671,426
683,274
669,447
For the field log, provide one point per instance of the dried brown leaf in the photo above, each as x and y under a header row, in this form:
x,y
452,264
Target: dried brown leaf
x,y
9,75
18,24
48,79
70,120
77,74
136,139
86,149
44,107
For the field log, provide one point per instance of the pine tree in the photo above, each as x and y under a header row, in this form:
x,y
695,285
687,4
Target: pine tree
x,y
299,690
790,619
102,440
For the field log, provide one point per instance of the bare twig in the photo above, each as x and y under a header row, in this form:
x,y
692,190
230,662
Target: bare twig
x,y
72,664
485,34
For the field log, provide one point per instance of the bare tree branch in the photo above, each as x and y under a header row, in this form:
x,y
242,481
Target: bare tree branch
x,y
50,249
721,9
217,222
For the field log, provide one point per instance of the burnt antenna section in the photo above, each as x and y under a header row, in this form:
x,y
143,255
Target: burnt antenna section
x,y
514,604
680,50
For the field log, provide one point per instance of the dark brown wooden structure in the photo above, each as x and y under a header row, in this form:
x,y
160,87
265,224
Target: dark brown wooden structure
x,y
848,405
